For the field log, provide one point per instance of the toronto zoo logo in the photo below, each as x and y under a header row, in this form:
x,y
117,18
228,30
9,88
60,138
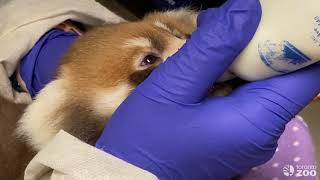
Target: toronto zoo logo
x,y
300,170
288,170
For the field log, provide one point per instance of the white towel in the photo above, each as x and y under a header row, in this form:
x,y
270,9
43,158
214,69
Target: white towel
x,y
23,22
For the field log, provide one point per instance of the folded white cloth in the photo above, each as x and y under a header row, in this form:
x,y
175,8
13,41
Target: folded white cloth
x,y
23,22
66,157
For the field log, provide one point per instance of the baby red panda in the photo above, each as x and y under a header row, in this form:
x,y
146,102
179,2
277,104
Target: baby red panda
x,y
99,71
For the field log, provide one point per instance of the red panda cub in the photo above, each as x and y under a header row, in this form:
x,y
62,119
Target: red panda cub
x,y
98,72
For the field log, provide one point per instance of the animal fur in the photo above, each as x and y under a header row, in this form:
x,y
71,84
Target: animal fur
x,y
99,71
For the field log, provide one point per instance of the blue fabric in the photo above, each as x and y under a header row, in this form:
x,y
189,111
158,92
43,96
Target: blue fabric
x,y
169,127
39,66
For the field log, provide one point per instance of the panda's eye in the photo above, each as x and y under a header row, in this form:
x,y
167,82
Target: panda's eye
x,y
149,60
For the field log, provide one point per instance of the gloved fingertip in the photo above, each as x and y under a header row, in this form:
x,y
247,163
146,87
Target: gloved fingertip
x,y
244,13
250,8
205,16
248,5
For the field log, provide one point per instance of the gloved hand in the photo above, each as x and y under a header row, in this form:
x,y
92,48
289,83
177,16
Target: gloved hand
x,y
169,127
39,66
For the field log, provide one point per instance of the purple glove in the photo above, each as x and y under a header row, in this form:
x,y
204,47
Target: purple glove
x,y
40,65
169,127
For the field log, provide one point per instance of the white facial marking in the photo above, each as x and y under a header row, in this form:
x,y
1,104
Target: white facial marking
x,y
107,101
140,42
162,26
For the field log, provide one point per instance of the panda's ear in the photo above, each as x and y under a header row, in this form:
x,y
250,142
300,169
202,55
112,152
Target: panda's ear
x,y
182,14
179,21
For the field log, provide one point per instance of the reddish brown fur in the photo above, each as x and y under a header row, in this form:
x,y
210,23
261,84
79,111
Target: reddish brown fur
x,y
98,60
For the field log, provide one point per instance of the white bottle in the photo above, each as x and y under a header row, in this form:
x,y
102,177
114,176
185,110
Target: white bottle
x,y
287,39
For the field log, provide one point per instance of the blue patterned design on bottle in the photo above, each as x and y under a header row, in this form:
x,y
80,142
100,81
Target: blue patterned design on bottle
x,y
282,57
